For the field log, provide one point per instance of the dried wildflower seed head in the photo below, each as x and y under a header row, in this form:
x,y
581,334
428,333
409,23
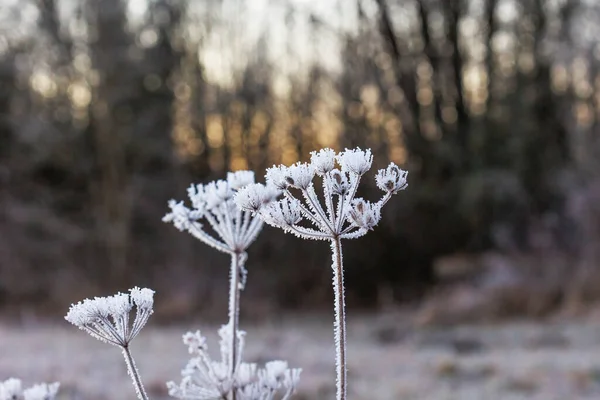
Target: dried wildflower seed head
x,y
323,161
283,213
300,175
228,229
278,177
392,179
356,161
239,179
254,196
11,389
181,216
42,391
107,318
365,214
337,182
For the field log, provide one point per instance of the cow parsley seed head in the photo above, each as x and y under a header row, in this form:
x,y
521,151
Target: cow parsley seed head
x,y
254,196
283,213
356,161
42,391
107,318
392,179
278,176
339,215
337,182
11,389
323,161
300,175
239,179
365,214
205,379
224,226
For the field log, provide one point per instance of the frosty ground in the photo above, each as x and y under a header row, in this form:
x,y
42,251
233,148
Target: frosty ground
x,y
389,359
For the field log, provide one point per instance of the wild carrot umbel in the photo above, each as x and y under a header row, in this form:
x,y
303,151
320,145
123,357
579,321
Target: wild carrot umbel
x,y
107,319
301,213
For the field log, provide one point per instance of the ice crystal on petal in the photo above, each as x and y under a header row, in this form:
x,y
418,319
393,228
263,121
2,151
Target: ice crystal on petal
x,y
392,179
356,161
278,176
42,391
239,179
323,161
254,196
300,175
337,182
283,212
365,214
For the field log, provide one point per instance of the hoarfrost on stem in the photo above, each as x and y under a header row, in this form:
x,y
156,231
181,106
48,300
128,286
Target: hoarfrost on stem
x,y
341,215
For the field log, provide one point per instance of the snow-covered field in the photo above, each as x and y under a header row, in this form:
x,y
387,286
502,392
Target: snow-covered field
x,y
387,359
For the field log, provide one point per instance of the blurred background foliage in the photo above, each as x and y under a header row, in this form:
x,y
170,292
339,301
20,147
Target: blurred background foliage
x,y
109,108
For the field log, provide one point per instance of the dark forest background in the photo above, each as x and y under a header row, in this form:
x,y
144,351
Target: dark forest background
x,y
110,108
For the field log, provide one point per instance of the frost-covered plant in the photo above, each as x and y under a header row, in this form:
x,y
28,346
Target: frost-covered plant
x,y
300,212
107,319
205,379
12,389
233,230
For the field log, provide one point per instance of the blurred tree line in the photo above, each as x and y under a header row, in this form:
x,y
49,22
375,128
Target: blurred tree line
x,y
108,109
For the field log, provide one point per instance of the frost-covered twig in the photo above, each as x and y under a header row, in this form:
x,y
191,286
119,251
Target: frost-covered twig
x,y
344,217
12,389
107,319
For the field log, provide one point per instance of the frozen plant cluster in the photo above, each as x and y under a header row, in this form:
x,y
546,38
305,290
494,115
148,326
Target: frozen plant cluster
x,y
206,379
300,211
341,215
108,319
232,231
12,389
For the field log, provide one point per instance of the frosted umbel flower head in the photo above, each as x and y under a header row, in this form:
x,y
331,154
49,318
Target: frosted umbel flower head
x,y
207,379
341,215
108,319
230,230
12,389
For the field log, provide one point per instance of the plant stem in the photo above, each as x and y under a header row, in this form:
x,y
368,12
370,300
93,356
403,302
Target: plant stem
x,y
134,374
234,311
340,318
